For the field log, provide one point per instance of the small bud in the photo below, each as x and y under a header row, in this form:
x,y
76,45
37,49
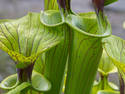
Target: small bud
x,y
98,5
68,4
99,9
65,9
62,3
65,4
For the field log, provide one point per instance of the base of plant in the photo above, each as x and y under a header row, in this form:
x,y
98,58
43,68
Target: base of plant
x,y
38,83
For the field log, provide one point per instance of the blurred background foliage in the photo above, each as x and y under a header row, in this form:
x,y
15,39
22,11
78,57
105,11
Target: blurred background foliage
x,y
13,9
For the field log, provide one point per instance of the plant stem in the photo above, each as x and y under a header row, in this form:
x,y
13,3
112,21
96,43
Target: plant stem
x,y
65,8
104,81
122,85
24,75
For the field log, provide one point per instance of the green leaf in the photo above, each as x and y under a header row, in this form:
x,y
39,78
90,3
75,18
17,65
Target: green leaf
x,y
115,48
9,82
56,58
40,83
26,39
19,88
107,2
83,31
86,50
108,92
106,65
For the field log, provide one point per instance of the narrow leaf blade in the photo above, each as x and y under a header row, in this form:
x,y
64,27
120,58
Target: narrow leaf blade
x,y
107,2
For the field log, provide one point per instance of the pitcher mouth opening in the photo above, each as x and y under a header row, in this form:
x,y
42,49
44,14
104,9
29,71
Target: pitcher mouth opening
x,y
91,28
85,23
